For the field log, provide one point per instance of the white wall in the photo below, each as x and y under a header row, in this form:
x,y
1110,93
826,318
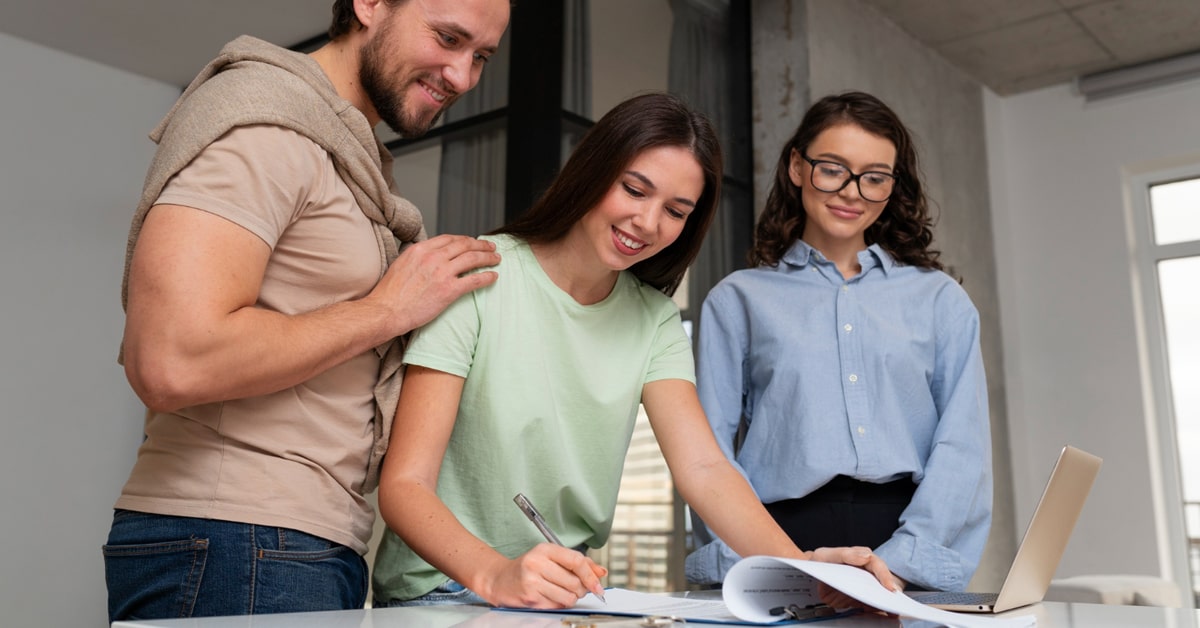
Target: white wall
x,y
1058,168
73,153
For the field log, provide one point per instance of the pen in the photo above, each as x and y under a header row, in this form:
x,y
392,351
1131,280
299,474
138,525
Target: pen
x,y
526,507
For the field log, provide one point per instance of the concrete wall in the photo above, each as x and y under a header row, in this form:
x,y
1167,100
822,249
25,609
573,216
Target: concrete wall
x,y
73,153
805,50
1074,366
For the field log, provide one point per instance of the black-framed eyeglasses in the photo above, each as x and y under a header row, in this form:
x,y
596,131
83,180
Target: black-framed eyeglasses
x,y
830,176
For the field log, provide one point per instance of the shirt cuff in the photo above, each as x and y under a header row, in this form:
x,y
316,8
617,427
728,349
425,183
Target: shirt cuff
x,y
709,563
923,564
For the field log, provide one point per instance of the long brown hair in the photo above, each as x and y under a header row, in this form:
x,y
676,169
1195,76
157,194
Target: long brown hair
x,y
647,121
904,229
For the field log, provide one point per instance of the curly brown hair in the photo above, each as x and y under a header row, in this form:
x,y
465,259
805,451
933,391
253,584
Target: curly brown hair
x,y
904,229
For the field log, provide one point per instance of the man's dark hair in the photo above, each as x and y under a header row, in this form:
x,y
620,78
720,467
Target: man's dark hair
x,y
344,19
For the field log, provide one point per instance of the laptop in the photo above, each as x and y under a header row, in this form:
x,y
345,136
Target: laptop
x,y
1042,548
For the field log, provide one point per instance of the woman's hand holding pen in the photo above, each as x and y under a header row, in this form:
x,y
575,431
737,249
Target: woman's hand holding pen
x,y
547,576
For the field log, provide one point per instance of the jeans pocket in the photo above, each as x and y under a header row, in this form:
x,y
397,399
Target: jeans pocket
x,y
300,546
310,574
153,580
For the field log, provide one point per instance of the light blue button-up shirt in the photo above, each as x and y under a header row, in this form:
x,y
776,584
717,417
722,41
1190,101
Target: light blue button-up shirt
x,y
878,377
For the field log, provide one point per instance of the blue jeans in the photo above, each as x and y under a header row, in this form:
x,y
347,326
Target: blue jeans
x,y
159,567
449,592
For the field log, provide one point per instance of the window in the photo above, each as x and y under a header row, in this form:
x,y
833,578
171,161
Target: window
x,y
1166,222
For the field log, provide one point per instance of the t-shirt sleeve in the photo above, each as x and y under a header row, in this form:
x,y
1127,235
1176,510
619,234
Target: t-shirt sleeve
x,y
447,343
259,177
671,356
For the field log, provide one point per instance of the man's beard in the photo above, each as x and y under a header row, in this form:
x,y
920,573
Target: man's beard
x,y
386,95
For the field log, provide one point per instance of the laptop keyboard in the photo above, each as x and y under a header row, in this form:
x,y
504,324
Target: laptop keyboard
x,y
957,597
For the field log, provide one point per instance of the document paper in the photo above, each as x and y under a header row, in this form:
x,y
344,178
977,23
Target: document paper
x,y
757,584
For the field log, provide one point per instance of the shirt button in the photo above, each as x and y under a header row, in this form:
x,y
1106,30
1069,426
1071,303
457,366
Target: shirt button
x,y
861,430
853,378
845,288
848,327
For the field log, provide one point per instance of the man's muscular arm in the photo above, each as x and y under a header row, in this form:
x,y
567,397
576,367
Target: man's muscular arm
x,y
193,333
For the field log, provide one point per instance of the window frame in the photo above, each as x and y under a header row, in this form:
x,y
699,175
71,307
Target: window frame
x,y
1166,474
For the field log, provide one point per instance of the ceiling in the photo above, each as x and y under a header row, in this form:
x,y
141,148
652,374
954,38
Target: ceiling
x,y
167,40
1009,45
1018,45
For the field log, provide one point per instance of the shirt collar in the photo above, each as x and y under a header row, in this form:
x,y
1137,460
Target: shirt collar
x,y
877,257
801,254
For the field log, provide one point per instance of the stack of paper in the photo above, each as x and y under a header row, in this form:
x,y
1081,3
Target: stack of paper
x,y
758,588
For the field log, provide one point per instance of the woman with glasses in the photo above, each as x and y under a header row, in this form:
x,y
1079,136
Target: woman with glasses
x,y
842,371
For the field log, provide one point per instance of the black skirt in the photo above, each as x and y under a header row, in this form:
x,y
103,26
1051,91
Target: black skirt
x,y
844,512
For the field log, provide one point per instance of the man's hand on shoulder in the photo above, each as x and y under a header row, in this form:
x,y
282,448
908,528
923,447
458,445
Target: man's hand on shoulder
x,y
429,276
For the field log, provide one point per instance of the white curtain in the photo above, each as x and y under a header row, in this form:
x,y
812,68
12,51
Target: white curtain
x,y
577,59
699,71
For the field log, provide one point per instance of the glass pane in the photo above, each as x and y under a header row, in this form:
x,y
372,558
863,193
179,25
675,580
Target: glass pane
x,y
571,134
416,172
456,181
1179,289
577,58
471,186
687,47
723,250
1175,211
637,552
627,55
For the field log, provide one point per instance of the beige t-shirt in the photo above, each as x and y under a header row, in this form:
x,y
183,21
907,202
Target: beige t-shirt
x,y
296,458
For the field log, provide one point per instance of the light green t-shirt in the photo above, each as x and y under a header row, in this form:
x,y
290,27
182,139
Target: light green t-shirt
x,y
548,407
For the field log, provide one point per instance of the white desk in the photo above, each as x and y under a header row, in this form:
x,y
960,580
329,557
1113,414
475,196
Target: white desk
x,y
1049,615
